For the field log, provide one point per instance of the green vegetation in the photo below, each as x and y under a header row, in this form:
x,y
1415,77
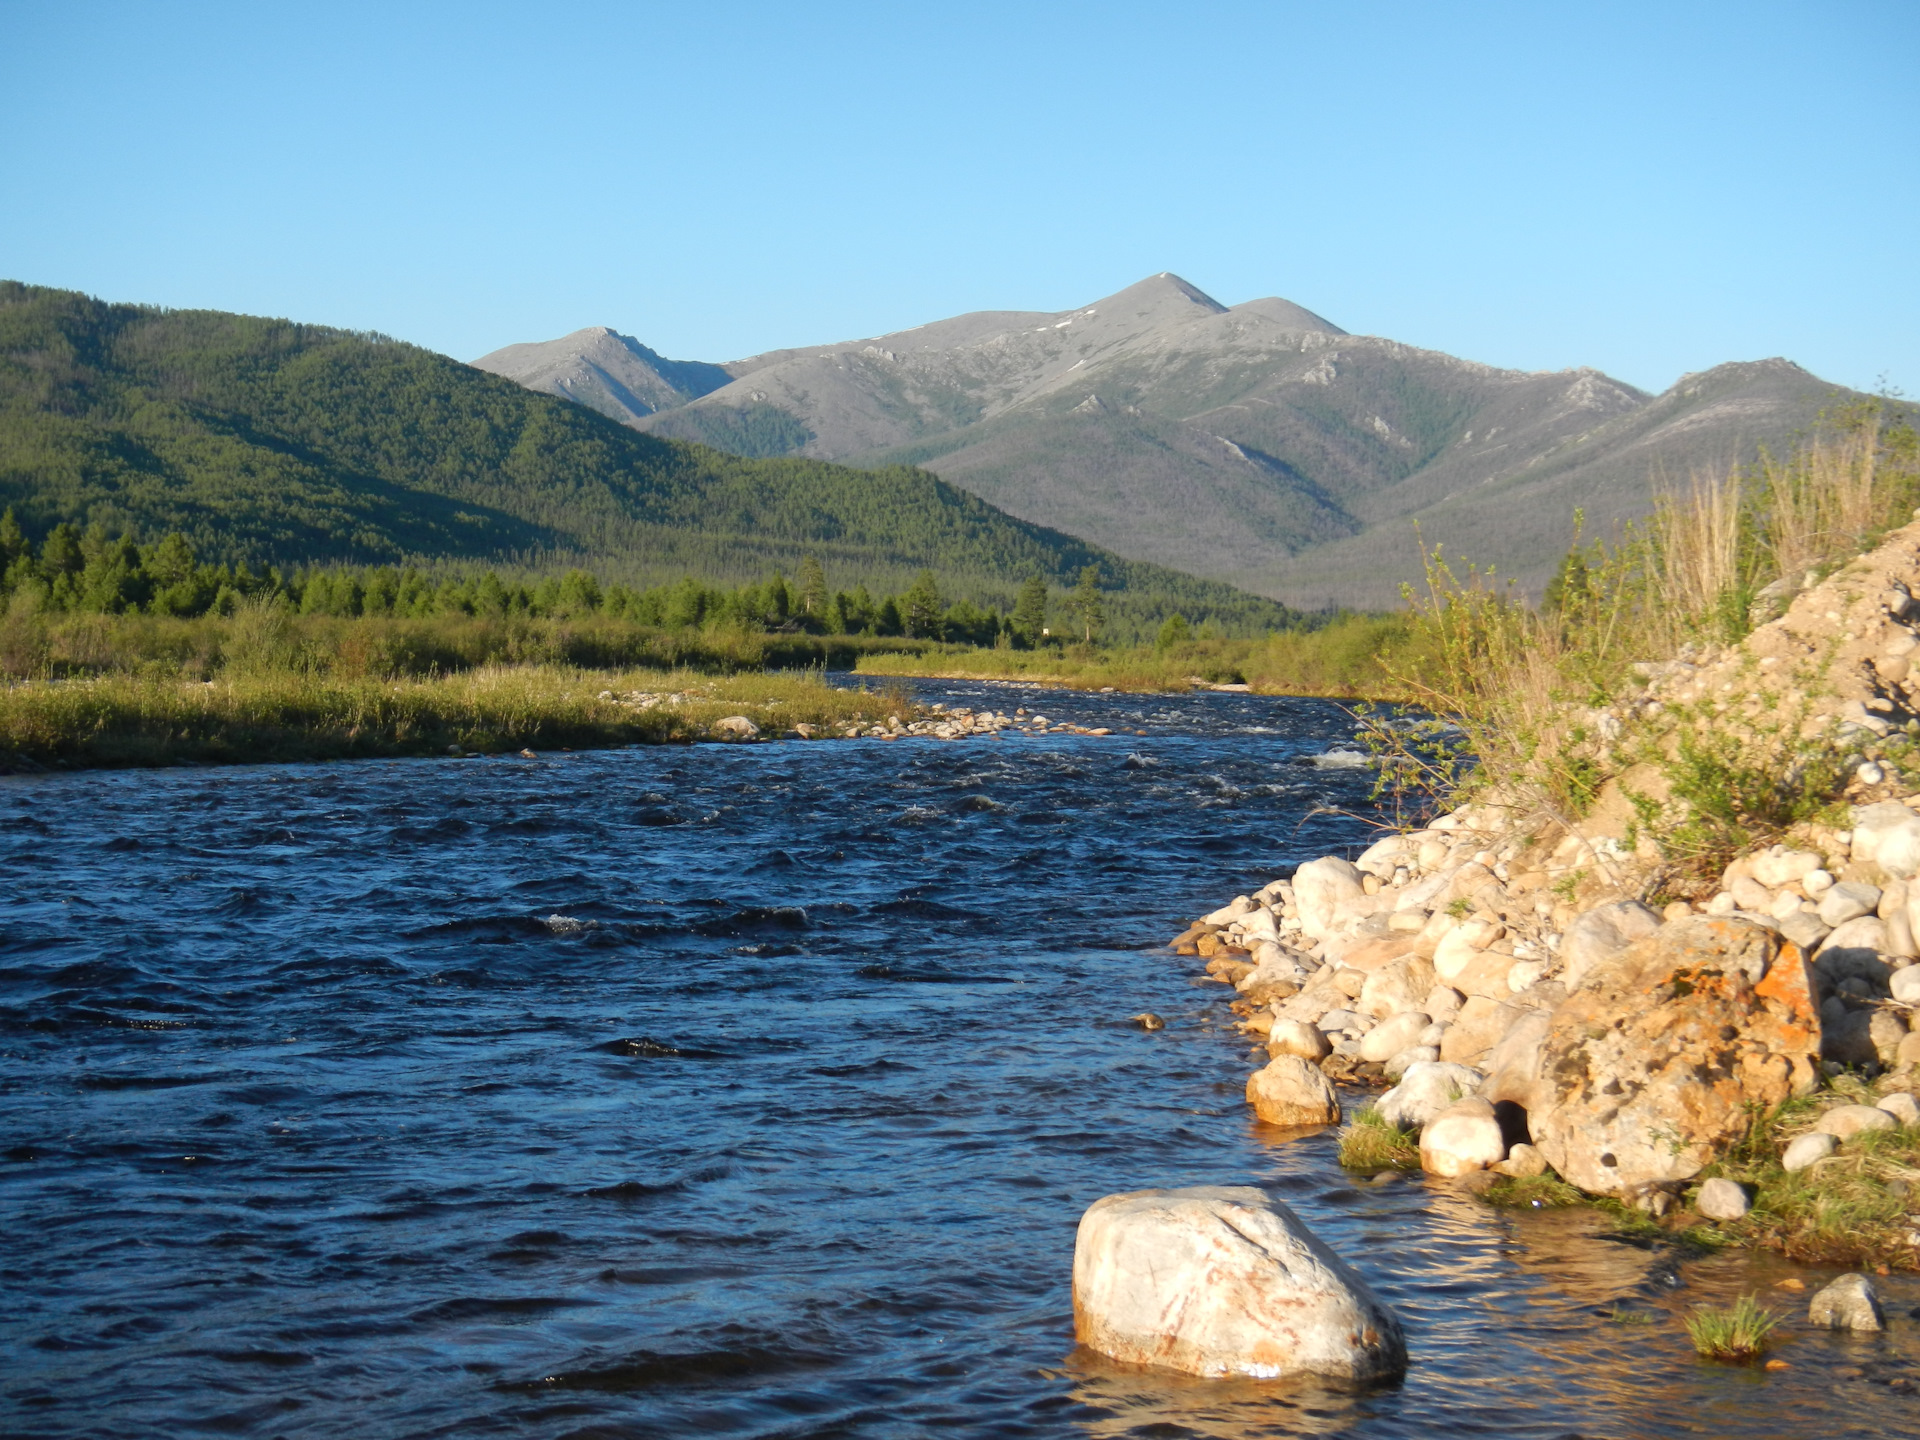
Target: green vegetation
x,y
1350,656
1372,1143
1858,1207
277,714
1522,684
1739,1334
266,444
1534,1192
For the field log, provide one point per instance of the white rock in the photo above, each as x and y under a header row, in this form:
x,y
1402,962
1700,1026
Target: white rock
x,y
1784,904
1722,1199
1292,1091
1524,973
1720,905
1888,835
1905,985
1860,941
1443,1003
1845,1121
1463,1137
1816,883
1902,1106
1390,1037
1319,888
1523,1162
1780,866
1805,929
1433,1034
1807,1149
1749,894
1601,933
1849,1303
1237,908
1223,1280
1425,1090
1397,1066
738,726
1848,901
1258,926
1297,1037
1383,857
1455,952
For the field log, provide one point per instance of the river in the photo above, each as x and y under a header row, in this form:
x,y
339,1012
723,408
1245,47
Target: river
x,y
732,1090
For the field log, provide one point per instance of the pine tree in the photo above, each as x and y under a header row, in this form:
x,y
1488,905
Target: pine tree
x,y
1030,612
813,588
1175,632
920,608
1089,610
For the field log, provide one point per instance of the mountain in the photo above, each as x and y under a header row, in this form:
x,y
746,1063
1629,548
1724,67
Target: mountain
x,y
605,371
1258,444
271,442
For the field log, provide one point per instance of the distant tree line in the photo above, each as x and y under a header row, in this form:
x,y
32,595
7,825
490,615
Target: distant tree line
x,y
91,572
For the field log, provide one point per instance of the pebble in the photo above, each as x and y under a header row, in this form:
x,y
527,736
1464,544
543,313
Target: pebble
x,y
1807,1150
1147,1020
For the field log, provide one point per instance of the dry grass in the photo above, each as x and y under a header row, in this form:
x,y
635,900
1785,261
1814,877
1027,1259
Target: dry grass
x,y
1525,683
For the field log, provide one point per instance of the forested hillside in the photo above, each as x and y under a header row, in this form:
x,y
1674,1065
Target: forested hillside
x,y
266,442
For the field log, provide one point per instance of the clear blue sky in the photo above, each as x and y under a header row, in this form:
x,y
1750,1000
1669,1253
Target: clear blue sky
x,y
1647,188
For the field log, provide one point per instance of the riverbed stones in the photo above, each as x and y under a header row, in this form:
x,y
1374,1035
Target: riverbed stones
x,y
1849,1303
1320,887
1601,933
1478,1027
1808,1149
1401,984
1291,1091
1887,835
1297,1037
1393,1035
1723,1199
1843,1122
1220,1281
1846,901
1396,1066
736,727
1465,1136
1902,1106
1523,1162
1424,1091
1650,1070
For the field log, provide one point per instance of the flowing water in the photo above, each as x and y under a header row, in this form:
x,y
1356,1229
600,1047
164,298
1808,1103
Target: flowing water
x,y
746,1090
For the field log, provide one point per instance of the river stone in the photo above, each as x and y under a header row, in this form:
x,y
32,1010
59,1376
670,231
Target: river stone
x,y
1396,986
1398,1065
737,727
1481,1024
1902,1106
1843,1122
1602,932
1849,1303
1222,1280
1464,1136
1904,984
1749,894
1484,975
1886,1030
1443,1003
1807,1149
1297,1037
1292,1091
1319,888
1391,1036
1523,1162
1846,901
1650,1070
1513,1066
1779,866
1887,835
1722,1199
1805,929
1425,1090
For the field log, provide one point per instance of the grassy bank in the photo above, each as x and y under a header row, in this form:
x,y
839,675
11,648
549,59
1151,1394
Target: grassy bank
x,y
119,720
1372,657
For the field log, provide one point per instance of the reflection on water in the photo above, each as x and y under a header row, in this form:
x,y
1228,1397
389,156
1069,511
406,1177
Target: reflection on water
x,y
734,1091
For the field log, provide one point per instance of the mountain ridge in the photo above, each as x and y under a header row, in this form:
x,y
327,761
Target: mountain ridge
x,y
1257,443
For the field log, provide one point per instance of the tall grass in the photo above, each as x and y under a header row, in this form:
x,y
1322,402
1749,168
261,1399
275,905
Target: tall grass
x,y
1737,1334
1524,683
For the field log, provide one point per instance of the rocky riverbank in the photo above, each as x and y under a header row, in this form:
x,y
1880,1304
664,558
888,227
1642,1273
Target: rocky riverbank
x,y
1583,1002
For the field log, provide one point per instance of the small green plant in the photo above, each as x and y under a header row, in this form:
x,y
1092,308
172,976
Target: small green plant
x,y
1372,1142
1461,908
1738,1334
1618,1316
1537,1192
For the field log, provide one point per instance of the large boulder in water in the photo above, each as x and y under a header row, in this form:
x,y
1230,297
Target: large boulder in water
x,y
1222,1280
1648,1072
1292,1091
